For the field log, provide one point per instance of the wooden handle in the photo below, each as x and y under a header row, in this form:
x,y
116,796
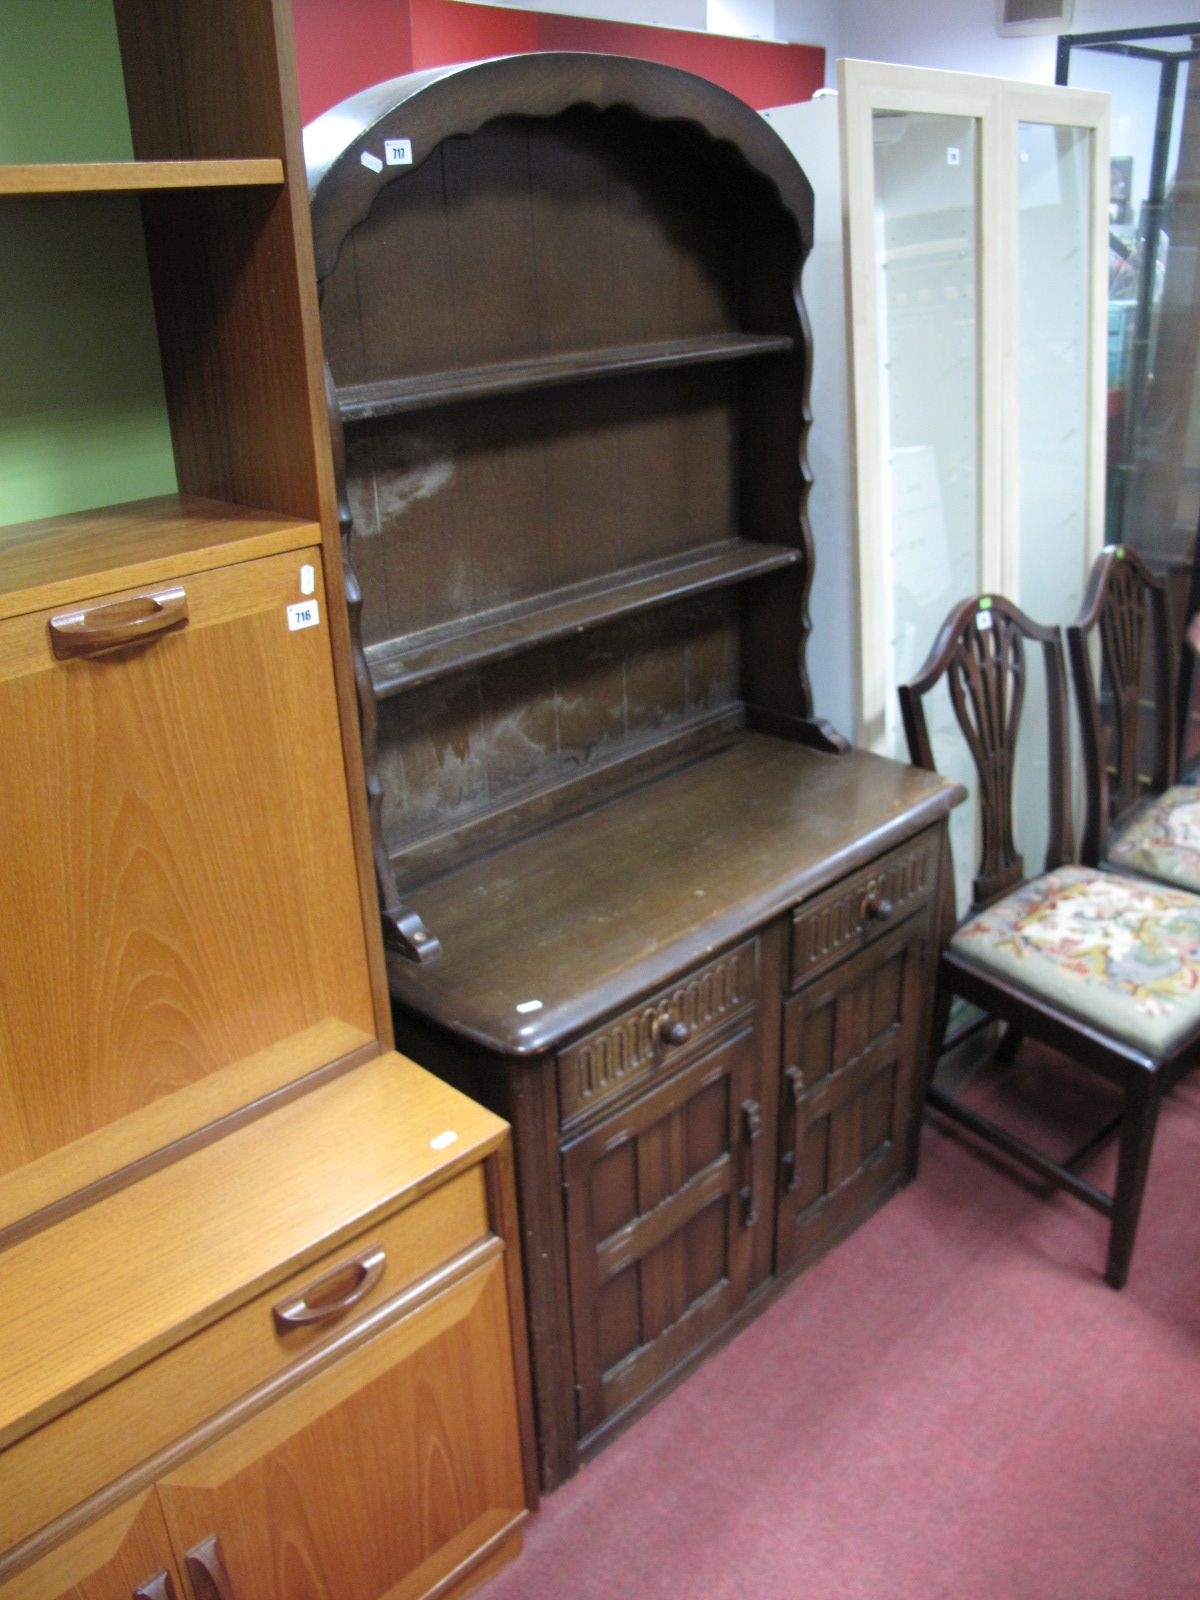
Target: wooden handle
x,y
794,1079
117,624
206,1569
326,1298
671,1032
159,1587
751,1128
879,908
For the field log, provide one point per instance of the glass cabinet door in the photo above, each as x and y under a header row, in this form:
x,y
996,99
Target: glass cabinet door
x,y
975,267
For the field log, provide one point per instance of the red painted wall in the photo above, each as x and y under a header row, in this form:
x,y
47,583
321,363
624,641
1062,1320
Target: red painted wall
x,y
444,31
761,74
346,45
343,46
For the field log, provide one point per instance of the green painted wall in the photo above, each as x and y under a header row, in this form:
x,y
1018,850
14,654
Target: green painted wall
x,y
83,418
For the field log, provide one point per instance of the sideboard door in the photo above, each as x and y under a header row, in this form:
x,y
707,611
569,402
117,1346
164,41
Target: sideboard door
x,y
661,1214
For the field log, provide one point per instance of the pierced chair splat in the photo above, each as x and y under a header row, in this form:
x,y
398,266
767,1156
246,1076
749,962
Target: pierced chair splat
x,y
1100,966
1138,819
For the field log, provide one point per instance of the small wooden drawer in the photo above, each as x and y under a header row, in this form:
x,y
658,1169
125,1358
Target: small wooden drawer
x,y
862,907
629,1048
61,1463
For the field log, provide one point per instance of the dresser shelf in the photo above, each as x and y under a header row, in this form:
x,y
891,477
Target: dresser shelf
x,y
417,658
364,402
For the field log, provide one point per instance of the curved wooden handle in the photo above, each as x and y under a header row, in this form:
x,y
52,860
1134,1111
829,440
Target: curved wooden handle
x,y
159,1587
326,1298
206,1569
117,624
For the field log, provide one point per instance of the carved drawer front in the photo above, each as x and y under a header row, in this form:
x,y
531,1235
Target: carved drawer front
x,y
50,1470
863,907
652,1036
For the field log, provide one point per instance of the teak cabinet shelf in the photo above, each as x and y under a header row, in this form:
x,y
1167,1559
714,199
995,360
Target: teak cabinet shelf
x,y
636,896
262,1323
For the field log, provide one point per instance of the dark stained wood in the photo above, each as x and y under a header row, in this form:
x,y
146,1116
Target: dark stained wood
x,y
571,365
719,846
396,396
660,1249
851,1048
980,650
405,663
1127,719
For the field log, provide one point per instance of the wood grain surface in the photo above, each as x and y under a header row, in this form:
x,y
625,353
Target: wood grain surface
x,y
209,1232
112,1432
57,560
610,903
381,1475
181,889
118,177
107,1561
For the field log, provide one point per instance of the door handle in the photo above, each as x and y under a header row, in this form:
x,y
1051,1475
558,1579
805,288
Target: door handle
x,y
117,624
751,1128
317,1301
159,1587
206,1568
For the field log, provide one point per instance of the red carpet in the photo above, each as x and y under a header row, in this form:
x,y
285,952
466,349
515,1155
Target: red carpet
x,y
953,1404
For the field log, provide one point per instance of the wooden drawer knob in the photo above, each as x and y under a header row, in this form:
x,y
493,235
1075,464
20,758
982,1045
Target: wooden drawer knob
x,y
671,1031
879,908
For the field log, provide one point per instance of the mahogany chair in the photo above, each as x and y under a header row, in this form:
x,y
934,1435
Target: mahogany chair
x,y
1138,819
1098,965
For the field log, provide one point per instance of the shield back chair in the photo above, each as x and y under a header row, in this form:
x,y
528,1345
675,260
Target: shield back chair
x,y
1100,966
1138,819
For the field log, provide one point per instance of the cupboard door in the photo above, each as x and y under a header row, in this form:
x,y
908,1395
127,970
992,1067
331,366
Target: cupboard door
x,y
388,1473
178,888
661,1211
850,1046
124,1555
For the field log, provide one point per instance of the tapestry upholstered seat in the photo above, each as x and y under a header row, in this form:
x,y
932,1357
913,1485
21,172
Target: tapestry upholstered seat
x,y
1101,965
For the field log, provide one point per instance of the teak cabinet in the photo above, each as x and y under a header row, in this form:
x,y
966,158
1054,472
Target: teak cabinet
x,y
635,895
316,1379
262,1325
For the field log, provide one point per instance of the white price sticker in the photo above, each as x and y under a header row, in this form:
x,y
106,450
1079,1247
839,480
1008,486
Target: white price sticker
x,y
371,161
304,614
398,152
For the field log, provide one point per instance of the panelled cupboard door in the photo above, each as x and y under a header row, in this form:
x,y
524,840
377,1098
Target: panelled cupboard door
x,y
126,1555
382,1475
849,1048
178,889
661,1210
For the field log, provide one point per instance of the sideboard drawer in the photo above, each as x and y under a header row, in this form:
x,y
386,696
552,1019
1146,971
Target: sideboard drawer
x,y
74,1455
629,1048
861,908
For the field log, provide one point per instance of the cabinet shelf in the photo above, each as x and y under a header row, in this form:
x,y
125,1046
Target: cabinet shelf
x,y
44,563
391,397
122,177
417,658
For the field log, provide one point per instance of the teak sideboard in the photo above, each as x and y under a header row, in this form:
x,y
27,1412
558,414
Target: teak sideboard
x,y
636,896
262,1327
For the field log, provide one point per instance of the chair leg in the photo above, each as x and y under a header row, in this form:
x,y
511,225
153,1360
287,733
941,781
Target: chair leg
x,y
1010,1043
1140,1117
